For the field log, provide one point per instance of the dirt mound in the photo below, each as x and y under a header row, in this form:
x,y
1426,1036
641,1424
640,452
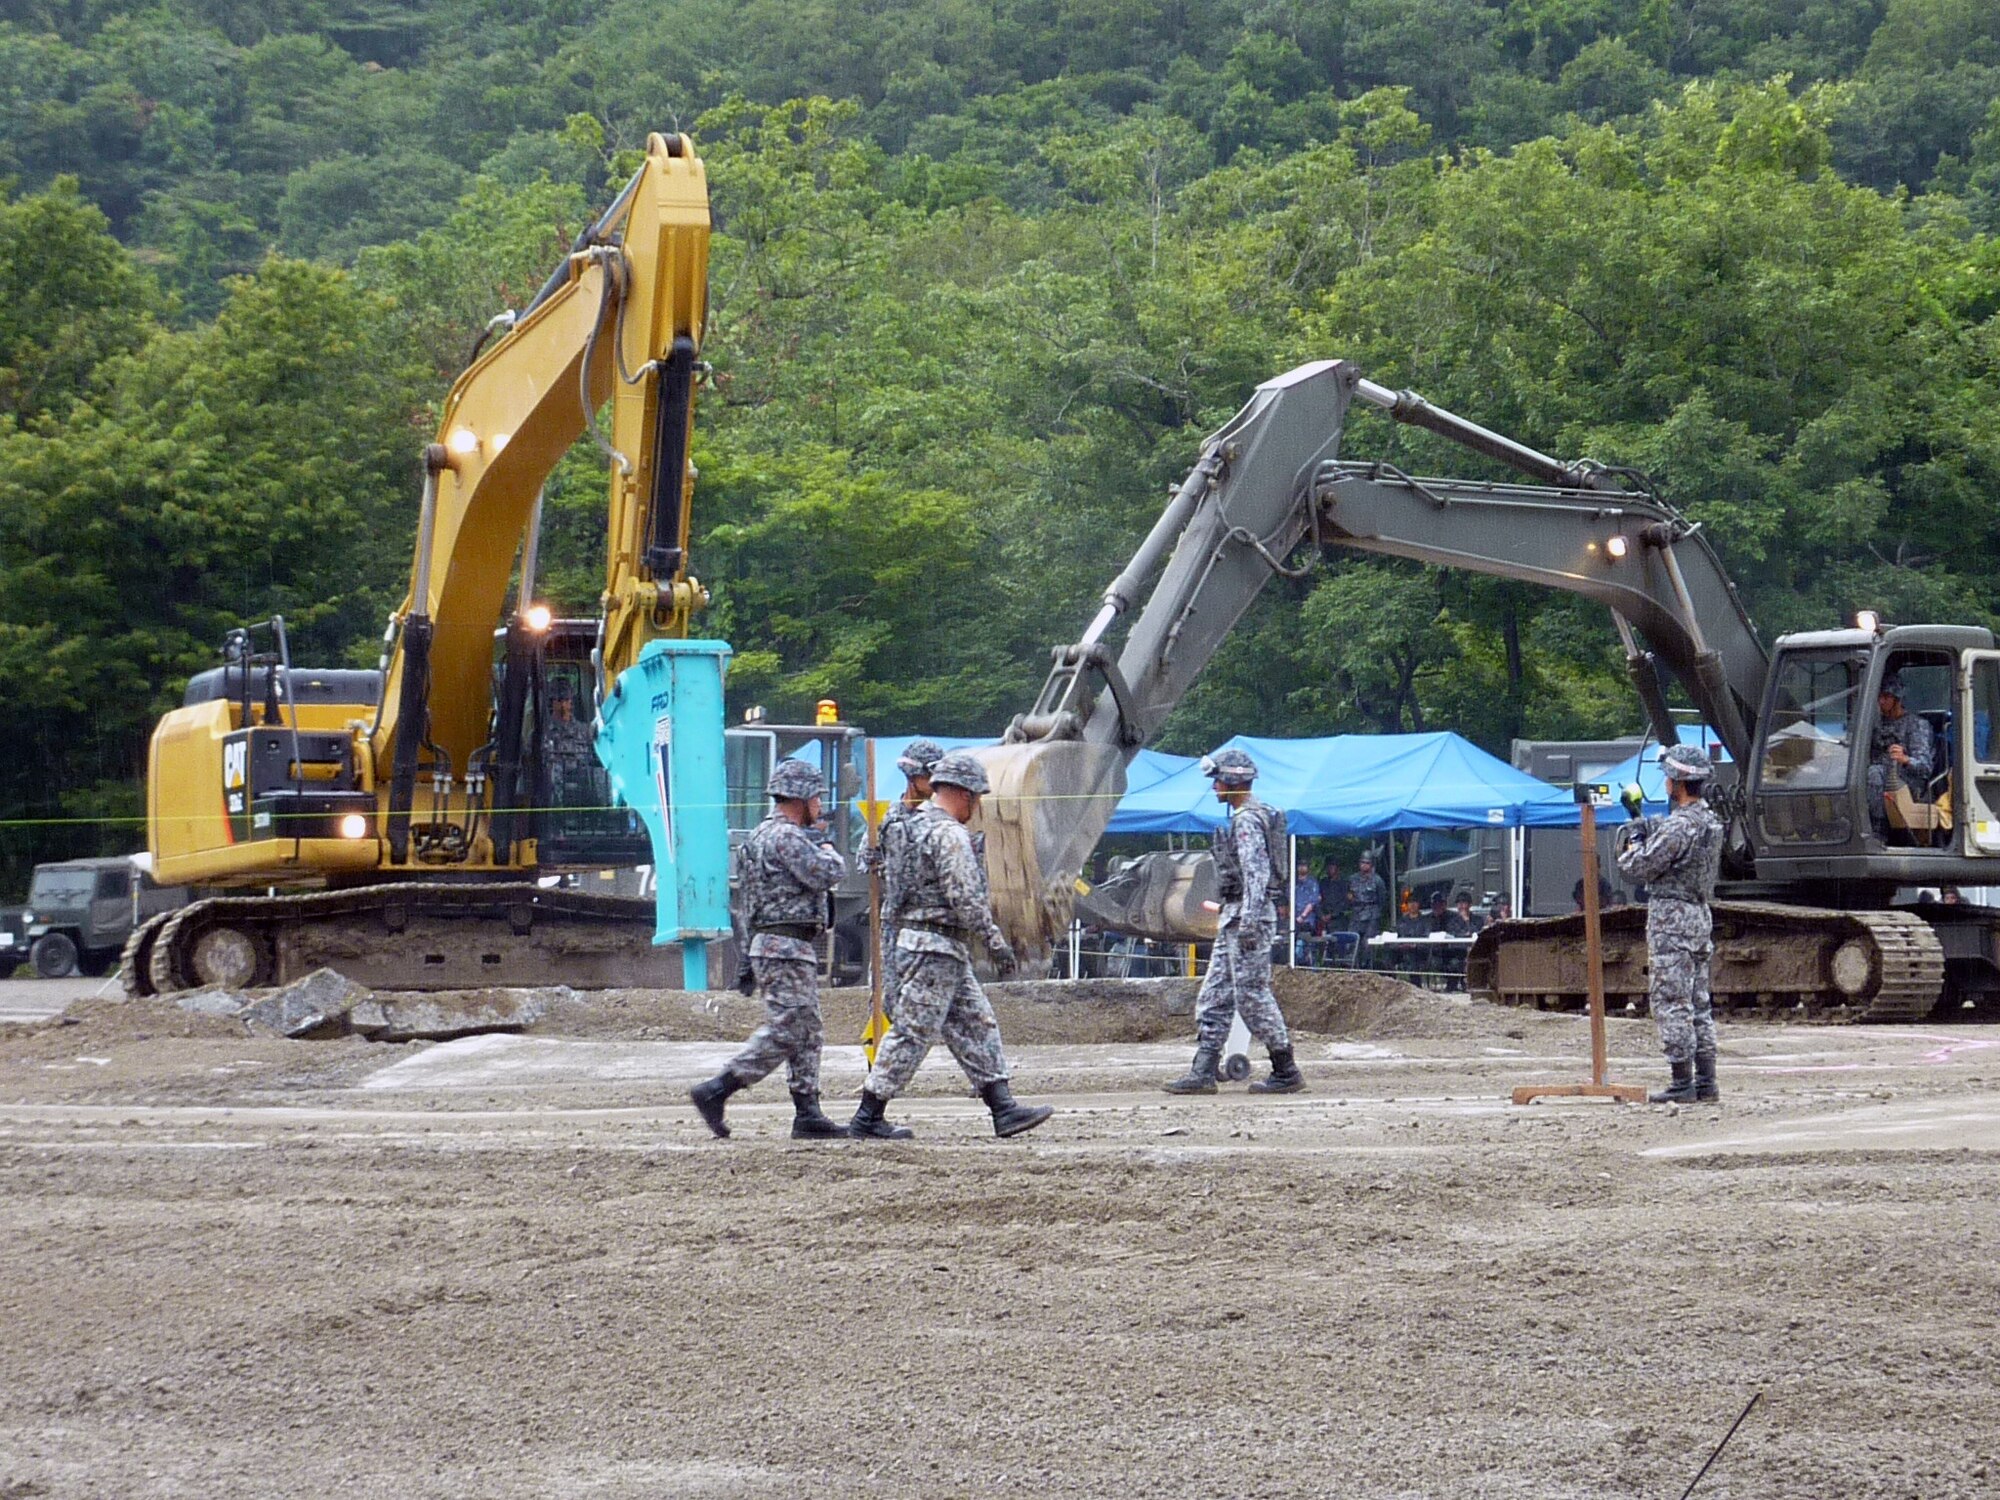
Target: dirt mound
x,y
1354,1003
99,1023
1137,1010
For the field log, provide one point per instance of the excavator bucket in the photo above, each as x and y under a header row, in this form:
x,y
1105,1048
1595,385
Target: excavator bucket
x,y
1050,802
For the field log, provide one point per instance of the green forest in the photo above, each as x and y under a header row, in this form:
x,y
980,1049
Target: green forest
x,y
984,274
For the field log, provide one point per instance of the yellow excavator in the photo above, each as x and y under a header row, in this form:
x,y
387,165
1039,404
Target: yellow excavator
x,y
393,823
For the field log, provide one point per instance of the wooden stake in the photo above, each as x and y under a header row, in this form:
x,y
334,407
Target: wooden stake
x,y
1600,1085
878,1024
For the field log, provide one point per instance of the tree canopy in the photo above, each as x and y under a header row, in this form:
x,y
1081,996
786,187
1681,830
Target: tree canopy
x,y
983,276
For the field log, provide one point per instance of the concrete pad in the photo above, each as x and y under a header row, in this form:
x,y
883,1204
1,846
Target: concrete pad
x,y
1964,1122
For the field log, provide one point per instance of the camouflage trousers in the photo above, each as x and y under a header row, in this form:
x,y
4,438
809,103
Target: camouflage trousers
x,y
1240,983
1679,999
892,971
791,1033
937,998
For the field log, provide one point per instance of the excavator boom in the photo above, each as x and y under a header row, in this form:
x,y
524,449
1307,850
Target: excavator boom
x,y
1271,479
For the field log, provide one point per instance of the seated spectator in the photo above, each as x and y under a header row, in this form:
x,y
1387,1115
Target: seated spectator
x,y
1950,896
1503,910
1603,894
1438,918
1464,922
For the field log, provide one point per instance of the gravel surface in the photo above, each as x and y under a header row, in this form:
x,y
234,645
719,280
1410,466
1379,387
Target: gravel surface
x,y
242,1266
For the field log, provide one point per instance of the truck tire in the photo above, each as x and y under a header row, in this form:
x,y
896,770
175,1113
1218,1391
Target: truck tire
x,y
54,955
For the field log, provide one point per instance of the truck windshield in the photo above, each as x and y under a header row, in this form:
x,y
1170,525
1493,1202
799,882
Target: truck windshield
x,y
1810,739
61,887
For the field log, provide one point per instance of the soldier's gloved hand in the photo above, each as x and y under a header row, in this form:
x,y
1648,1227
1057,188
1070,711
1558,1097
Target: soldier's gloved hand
x,y
1005,964
746,979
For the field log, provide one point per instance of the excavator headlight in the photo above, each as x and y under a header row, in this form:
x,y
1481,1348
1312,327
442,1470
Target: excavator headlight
x,y
537,618
1867,620
354,826
1617,546
462,440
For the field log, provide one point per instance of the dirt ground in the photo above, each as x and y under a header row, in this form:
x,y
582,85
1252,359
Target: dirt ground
x,y
517,1266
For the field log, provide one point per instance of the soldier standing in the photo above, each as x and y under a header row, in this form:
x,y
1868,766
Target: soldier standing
x,y
1677,857
1239,964
892,856
941,910
789,864
1365,895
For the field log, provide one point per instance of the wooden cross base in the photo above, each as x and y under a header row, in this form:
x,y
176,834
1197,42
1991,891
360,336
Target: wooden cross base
x,y
1624,1093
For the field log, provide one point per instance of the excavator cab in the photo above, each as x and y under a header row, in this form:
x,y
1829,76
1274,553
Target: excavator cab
x,y
1830,798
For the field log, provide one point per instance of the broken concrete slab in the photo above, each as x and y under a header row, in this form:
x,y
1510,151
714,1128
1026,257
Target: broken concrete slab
x,y
320,1000
213,1002
415,1017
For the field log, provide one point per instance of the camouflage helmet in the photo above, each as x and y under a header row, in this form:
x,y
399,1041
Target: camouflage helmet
x,y
918,757
1231,766
1892,686
961,769
796,780
1686,763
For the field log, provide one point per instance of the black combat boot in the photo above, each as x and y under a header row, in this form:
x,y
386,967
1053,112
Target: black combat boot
x,y
1680,1091
808,1124
1285,1075
869,1124
1010,1115
1200,1076
1705,1089
709,1097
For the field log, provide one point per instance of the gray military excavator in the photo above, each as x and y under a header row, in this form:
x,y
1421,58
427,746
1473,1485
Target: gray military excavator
x,y
1805,920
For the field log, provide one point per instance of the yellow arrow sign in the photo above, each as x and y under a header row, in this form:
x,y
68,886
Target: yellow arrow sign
x,y
872,1034
874,812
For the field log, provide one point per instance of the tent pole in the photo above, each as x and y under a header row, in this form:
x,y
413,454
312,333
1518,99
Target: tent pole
x,y
1291,874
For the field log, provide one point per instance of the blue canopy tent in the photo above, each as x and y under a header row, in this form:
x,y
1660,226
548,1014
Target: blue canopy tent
x,y
1359,785
1644,768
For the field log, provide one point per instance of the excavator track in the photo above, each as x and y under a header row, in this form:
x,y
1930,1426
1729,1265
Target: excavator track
x,y
407,935
1786,963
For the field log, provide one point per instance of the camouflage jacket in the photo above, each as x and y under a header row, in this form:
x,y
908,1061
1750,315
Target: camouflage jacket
x,y
945,902
1913,733
786,873
894,858
1365,895
1243,856
1677,857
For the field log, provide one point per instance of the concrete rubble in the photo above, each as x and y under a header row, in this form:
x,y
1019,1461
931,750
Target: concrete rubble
x,y
328,1004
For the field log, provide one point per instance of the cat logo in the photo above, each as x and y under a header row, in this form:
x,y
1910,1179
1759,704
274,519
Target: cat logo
x,y
235,774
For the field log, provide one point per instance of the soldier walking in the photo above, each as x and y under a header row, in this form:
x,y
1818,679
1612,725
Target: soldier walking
x,y
789,864
940,911
1677,857
892,855
1247,858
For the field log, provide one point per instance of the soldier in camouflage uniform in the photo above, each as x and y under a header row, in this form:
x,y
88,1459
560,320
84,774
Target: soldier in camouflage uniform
x,y
1903,747
893,855
1239,965
1365,894
789,864
1677,857
943,908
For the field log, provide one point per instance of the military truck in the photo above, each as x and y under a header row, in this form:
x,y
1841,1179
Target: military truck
x,y
80,911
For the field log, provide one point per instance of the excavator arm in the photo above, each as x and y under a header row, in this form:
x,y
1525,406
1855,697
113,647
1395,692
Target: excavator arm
x,y
620,320
1271,479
